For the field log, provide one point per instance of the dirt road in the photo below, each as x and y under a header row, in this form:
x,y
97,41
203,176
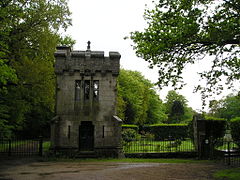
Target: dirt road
x,y
106,171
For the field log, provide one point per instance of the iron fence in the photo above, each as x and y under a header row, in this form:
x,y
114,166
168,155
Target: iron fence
x,y
145,145
21,147
228,151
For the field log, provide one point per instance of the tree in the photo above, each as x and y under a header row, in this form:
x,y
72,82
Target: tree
x,y
227,108
176,108
28,40
138,102
181,32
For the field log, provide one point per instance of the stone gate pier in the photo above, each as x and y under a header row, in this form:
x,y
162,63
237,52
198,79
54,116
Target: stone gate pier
x,y
86,92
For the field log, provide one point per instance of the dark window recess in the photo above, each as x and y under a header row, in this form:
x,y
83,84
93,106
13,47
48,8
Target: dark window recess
x,y
103,132
77,90
95,90
86,89
69,132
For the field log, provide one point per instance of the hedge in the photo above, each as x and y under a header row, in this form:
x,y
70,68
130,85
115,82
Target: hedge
x,y
130,126
215,127
167,131
235,128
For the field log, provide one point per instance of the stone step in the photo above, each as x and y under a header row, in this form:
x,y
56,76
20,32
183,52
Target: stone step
x,y
86,154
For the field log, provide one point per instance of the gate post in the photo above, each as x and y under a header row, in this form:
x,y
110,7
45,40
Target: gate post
x,y
200,141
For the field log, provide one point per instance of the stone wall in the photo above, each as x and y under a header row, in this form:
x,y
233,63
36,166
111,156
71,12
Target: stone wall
x,y
94,100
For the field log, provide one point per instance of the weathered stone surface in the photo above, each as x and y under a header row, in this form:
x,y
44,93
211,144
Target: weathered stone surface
x,y
86,101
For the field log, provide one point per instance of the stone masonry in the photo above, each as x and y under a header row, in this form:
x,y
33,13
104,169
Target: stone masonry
x,y
86,92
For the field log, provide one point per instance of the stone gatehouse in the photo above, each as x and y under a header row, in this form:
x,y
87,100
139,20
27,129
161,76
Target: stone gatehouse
x,y
86,91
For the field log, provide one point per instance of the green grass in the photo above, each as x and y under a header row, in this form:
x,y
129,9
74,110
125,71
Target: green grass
x,y
5,146
228,174
46,146
224,146
157,146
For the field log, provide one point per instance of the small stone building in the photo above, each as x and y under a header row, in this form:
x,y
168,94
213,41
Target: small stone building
x,y
86,92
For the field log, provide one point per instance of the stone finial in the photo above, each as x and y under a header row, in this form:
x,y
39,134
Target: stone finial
x,y
88,46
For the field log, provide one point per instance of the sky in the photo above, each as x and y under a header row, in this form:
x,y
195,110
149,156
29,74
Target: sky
x,y
106,22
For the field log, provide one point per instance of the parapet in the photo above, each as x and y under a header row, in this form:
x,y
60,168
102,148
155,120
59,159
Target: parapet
x,y
86,61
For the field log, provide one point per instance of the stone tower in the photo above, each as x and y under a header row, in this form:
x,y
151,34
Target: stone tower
x,y
86,92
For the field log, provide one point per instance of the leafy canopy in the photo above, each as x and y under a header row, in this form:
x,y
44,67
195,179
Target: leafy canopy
x,y
138,103
180,32
29,34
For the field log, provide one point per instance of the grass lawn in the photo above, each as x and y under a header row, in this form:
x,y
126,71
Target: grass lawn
x,y
229,174
46,146
4,146
158,146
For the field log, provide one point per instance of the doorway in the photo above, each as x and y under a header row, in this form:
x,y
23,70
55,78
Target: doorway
x,y
86,136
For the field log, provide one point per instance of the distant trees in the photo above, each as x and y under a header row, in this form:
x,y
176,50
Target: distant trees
x,y
177,108
227,108
138,102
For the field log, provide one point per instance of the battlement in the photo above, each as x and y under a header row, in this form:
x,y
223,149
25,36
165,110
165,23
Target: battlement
x,y
86,61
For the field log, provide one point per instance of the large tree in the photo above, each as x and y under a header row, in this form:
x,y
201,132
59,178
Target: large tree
x,y
28,39
181,32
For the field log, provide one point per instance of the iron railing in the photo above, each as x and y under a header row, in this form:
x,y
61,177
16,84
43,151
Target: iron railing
x,y
228,151
21,147
145,145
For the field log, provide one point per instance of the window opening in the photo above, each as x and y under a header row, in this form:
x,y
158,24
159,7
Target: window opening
x,y
87,89
103,132
69,131
95,90
77,90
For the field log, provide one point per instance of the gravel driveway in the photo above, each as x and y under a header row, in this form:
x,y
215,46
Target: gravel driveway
x,y
30,170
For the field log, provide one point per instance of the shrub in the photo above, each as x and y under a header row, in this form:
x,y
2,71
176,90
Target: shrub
x,y
129,135
130,126
167,131
235,129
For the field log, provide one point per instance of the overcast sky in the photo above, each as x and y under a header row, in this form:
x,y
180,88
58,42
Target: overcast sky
x,y
106,22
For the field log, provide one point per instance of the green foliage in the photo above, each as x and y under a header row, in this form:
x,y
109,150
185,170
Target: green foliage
x,y
210,118
227,107
230,174
182,32
235,129
66,41
130,126
167,131
138,102
177,109
28,40
129,135
215,127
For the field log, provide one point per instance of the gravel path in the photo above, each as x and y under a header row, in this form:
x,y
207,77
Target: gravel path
x,y
105,171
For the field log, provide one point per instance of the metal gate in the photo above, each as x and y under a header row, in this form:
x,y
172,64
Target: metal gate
x,y
228,151
21,147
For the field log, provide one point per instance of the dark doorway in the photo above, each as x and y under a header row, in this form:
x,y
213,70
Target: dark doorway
x,y
86,136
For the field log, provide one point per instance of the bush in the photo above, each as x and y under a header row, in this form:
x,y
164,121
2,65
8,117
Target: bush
x,y
235,128
167,131
129,135
130,126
